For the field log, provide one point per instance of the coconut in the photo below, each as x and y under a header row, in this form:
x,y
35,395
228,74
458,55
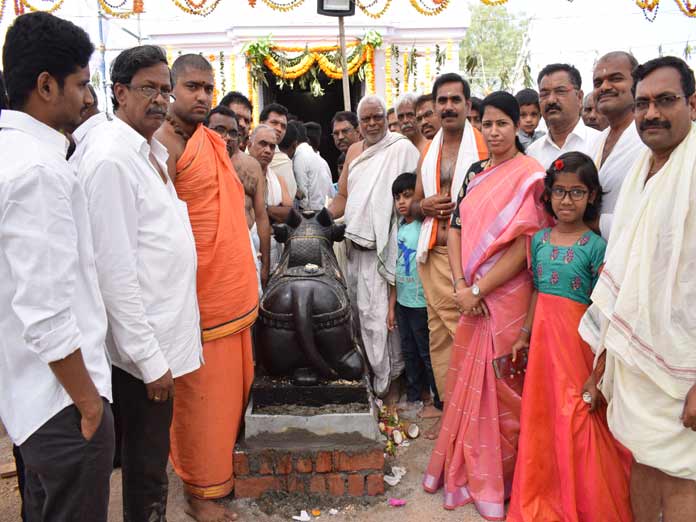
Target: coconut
x,y
413,431
398,437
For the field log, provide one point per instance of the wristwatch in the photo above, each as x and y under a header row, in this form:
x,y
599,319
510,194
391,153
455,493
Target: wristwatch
x,y
475,290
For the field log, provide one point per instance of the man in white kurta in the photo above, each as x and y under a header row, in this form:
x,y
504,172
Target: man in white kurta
x,y
619,145
364,196
645,296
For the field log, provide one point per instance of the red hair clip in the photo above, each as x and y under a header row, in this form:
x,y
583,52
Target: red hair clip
x,y
558,165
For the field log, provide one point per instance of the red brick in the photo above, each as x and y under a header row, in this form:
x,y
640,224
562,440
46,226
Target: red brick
x,y
317,484
266,463
369,460
241,463
322,463
335,483
296,484
283,464
254,487
356,485
375,484
303,465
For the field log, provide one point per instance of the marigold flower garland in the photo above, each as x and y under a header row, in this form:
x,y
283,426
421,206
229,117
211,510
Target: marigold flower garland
x,y
432,11
406,71
388,90
428,70
111,11
283,7
370,73
233,72
22,4
264,54
365,9
200,9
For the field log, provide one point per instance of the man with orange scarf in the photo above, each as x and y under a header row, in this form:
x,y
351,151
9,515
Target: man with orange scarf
x,y
210,401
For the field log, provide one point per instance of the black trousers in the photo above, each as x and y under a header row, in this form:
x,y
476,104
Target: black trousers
x,y
19,464
415,348
144,449
66,476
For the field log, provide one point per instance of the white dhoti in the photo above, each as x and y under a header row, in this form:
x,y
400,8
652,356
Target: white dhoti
x,y
647,421
255,249
369,296
274,197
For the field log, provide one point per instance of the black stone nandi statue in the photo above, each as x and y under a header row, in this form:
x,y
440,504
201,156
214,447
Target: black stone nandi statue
x,y
306,327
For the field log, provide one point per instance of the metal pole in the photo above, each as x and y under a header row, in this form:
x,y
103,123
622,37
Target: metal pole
x,y
102,51
344,64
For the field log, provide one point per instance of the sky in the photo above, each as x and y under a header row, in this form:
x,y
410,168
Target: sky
x,y
576,32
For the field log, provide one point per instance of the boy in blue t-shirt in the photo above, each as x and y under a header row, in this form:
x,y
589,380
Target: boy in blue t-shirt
x,y
407,301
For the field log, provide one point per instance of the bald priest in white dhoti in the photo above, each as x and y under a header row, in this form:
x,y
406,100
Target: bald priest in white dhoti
x,y
371,226
643,314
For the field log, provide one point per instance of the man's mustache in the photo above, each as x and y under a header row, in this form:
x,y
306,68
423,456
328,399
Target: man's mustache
x,y
604,94
448,114
552,106
156,110
655,124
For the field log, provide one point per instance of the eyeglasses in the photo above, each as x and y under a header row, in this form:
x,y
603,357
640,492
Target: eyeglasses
x,y
229,133
377,118
426,114
663,102
151,93
575,194
559,92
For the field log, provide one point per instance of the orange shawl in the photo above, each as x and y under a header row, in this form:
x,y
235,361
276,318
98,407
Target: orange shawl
x,y
227,288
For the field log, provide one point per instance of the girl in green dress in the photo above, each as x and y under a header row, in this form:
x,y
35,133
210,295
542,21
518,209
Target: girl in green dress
x,y
569,467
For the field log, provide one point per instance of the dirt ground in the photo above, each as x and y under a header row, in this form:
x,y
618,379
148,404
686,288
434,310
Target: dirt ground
x,y
420,506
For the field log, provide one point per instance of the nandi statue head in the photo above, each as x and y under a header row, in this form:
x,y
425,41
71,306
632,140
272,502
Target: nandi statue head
x,y
308,238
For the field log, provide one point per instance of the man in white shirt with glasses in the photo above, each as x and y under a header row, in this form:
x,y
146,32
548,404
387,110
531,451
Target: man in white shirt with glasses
x,y
146,261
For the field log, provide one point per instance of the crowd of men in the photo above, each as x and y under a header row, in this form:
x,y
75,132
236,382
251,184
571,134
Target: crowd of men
x,y
127,276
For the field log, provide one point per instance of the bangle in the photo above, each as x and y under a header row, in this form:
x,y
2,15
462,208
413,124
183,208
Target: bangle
x,y
526,330
457,280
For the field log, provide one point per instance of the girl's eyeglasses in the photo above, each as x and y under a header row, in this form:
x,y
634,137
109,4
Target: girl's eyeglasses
x,y
575,194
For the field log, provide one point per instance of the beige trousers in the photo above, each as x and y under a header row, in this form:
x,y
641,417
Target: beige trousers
x,y
443,315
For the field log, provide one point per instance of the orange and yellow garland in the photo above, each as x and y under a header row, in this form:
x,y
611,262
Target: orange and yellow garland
x,y
319,56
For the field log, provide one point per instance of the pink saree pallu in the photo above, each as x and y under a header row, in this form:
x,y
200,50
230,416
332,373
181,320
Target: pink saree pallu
x,y
475,453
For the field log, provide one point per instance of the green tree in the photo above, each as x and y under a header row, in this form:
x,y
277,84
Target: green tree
x,y
493,51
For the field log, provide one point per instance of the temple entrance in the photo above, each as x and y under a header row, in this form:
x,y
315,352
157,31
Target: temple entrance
x,y
306,107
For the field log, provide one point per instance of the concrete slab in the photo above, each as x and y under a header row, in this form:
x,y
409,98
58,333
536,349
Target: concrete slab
x,y
323,424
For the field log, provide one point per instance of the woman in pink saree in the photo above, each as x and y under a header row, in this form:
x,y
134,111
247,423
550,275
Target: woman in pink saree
x,y
475,453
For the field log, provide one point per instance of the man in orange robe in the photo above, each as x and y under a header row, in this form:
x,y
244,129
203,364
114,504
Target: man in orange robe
x,y
209,402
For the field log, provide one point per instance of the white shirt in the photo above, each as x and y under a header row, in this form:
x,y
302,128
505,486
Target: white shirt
x,y
49,295
145,253
82,131
313,177
581,139
282,165
615,168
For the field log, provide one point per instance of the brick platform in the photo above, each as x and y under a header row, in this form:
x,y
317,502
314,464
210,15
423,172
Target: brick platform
x,y
301,462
